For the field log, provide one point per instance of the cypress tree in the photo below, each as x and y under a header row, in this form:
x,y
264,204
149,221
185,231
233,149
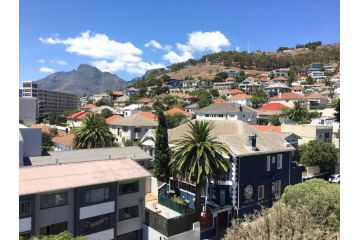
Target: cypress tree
x,y
162,151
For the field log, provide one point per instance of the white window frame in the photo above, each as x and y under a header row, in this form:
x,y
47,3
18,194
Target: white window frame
x,y
268,163
273,159
260,192
279,161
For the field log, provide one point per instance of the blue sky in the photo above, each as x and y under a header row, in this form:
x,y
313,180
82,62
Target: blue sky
x,y
129,37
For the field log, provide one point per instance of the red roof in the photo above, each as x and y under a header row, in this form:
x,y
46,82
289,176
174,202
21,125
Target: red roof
x,y
177,110
190,97
145,100
240,96
219,100
318,84
297,88
272,107
280,79
79,115
266,128
44,128
89,106
63,138
112,118
230,79
287,96
117,93
148,115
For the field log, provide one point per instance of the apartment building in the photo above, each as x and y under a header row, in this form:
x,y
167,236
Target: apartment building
x,y
28,110
317,76
100,200
49,101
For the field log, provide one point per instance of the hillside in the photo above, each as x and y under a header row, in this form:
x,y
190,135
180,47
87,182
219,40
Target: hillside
x,y
85,79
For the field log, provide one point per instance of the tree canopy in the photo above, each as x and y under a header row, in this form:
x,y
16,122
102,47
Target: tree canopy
x,y
62,236
106,113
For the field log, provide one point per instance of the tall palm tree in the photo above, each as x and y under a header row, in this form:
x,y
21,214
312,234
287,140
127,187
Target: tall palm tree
x,y
93,133
297,113
199,157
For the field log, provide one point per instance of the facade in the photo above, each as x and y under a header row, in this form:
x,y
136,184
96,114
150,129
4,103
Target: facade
x,y
100,200
223,85
101,96
227,111
232,73
283,72
28,110
309,132
191,108
317,76
30,143
49,101
314,67
241,99
276,88
250,83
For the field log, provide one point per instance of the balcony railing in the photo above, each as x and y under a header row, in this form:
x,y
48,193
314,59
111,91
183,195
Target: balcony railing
x,y
172,226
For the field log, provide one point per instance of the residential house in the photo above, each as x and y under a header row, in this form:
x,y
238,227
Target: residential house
x,y
315,100
269,109
109,120
87,107
219,100
98,110
250,83
230,79
309,132
131,128
223,85
144,102
317,76
177,110
189,99
287,98
173,83
276,88
131,109
148,115
282,80
130,91
231,92
242,99
314,67
117,94
191,108
100,200
282,72
335,78
232,73
329,68
120,102
291,138
63,141
227,111
298,90
75,119
101,96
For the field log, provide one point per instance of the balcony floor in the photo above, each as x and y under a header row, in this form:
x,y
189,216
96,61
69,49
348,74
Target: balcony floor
x,y
161,210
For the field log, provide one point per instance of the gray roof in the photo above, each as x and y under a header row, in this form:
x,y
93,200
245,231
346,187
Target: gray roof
x,y
235,133
84,155
194,106
277,85
135,120
99,109
223,108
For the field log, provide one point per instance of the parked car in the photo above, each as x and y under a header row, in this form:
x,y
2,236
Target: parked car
x,y
334,178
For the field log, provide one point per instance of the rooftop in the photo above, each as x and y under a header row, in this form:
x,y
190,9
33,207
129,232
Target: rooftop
x,y
82,155
287,96
144,100
39,179
240,96
112,118
135,120
89,106
272,107
267,128
277,85
148,115
219,100
223,108
63,138
177,110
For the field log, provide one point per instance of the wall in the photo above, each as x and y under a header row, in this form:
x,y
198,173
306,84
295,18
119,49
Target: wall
x,y
308,132
28,110
32,141
21,151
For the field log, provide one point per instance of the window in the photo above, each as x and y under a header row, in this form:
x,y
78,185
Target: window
x,y
97,195
24,208
137,130
273,159
261,192
279,161
206,115
220,115
128,188
125,129
95,224
268,163
53,229
53,200
127,213
213,195
276,188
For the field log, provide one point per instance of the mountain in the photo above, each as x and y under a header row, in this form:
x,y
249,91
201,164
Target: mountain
x,y
85,80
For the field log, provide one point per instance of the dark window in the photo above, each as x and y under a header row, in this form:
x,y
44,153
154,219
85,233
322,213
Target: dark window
x,y
97,195
137,130
128,188
24,208
206,115
130,236
54,200
53,229
127,213
98,223
125,129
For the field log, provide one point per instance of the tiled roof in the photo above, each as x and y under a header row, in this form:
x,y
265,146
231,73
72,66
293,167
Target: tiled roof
x,y
266,128
89,106
230,79
44,128
272,107
223,108
135,120
112,118
144,100
40,179
316,96
79,115
177,110
148,115
219,100
297,88
117,93
280,79
287,96
65,139
240,96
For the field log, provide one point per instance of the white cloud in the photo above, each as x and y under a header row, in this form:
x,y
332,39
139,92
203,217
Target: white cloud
x,y
40,60
173,57
57,61
110,55
198,42
157,45
47,70
238,49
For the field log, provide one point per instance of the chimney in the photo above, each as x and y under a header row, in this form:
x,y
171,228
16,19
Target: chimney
x,y
252,142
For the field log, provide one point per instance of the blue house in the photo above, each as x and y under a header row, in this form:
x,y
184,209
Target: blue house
x,y
262,166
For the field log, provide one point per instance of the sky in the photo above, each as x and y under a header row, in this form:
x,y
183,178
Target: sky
x,y
129,37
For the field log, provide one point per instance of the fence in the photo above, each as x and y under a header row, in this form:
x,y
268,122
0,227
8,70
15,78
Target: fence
x,y
172,226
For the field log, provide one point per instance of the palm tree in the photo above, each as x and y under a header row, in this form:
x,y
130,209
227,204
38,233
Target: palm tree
x,y
297,113
93,133
200,157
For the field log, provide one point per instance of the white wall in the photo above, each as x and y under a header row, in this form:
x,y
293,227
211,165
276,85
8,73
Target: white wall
x,y
32,138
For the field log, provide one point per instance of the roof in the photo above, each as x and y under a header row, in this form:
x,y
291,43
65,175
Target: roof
x,y
280,79
223,108
135,120
235,133
219,100
44,128
316,96
144,100
117,93
148,115
112,118
277,85
79,115
63,138
192,106
89,106
287,96
94,154
297,88
240,96
177,110
99,109
267,128
318,84
272,107
230,79
231,91
189,97
40,179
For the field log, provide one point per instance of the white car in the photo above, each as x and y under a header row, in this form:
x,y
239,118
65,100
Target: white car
x,y
334,178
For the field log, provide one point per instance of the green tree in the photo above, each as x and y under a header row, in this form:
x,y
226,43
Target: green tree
x,y
214,93
274,120
220,77
93,133
320,197
198,157
336,104
292,76
162,151
259,97
297,113
103,102
309,80
46,142
106,113
62,236
174,120
164,78
90,101
169,100
319,153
